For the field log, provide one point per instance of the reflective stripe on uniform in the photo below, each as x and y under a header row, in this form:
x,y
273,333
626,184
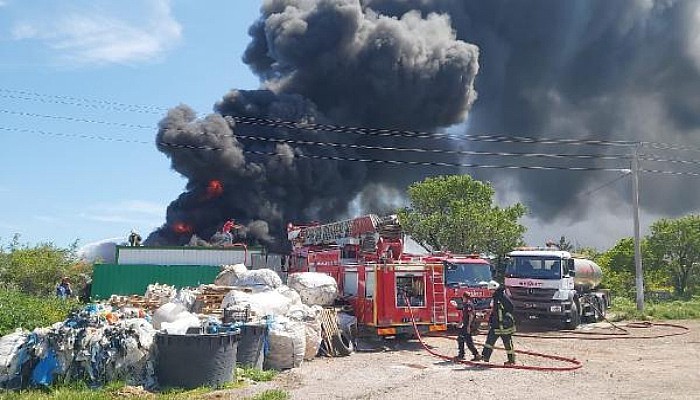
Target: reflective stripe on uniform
x,y
504,331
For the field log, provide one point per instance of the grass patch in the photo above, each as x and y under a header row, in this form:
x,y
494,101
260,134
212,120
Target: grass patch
x,y
119,391
626,309
19,310
111,391
273,394
255,374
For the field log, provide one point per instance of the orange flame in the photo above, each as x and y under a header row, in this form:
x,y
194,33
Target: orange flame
x,y
181,228
215,188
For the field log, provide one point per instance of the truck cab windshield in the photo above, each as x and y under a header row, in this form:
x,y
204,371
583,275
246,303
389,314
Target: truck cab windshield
x,y
534,268
466,274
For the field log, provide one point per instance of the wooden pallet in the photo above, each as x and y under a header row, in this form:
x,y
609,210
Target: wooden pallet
x,y
211,297
136,301
329,329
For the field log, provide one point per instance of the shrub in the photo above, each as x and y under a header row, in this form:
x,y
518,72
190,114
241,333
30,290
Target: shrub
x,y
19,310
626,309
38,269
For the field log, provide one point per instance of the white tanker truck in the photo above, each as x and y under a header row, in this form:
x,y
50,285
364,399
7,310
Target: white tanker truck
x,y
553,285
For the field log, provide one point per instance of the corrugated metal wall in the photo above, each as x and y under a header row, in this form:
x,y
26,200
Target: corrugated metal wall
x,y
183,255
109,279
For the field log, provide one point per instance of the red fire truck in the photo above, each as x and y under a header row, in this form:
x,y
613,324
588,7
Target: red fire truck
x,y
377,275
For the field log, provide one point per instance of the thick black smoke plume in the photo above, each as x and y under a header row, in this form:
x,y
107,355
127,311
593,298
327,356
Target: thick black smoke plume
x,y
328,61
598,69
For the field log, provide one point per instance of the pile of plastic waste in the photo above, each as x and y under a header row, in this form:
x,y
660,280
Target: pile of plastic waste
x,y
101,343
96,344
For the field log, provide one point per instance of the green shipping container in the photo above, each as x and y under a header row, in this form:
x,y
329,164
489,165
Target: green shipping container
x,y
124,280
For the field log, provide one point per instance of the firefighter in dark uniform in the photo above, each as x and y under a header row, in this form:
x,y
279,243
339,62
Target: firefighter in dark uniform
x,y
502,323
469,325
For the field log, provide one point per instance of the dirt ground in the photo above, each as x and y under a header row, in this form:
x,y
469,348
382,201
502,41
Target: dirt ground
x,y
636,368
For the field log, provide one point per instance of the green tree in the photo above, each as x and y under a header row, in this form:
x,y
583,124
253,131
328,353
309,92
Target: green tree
x,y
37,269
675,245
619,273
457,213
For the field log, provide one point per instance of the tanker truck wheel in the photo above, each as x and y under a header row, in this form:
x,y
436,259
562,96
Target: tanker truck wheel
x,y
601,307
575,317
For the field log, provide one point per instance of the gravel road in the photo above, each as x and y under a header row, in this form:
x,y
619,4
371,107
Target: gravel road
x,y
636,368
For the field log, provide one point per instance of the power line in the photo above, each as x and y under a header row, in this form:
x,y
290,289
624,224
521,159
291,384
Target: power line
x,y
81,101
343,145
74,135
356,146
74,119
399,162
670,160
438,151
590,192
676,173
351,159
275,123
153,109
669,146
646,157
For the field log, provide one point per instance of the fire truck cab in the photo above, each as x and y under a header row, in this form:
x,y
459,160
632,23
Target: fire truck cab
x,y
467,273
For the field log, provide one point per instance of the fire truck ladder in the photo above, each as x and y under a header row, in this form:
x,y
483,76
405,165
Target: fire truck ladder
x,y
439,295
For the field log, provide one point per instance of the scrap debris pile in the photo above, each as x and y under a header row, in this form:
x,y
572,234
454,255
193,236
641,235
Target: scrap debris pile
x,y
95,345
115,340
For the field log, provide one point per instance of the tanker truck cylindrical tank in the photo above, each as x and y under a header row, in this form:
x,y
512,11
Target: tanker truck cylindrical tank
x,y
588,274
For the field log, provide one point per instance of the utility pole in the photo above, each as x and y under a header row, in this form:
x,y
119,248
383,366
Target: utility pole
x,y
635,214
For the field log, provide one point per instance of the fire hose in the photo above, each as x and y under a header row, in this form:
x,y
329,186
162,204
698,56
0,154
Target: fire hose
x,y
625,334
576,364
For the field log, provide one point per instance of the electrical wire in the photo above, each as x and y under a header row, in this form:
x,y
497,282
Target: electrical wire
x,y
669,160
590,192
80,101
273,123
351,159
74,119
439,151
675,173
152,109
344,145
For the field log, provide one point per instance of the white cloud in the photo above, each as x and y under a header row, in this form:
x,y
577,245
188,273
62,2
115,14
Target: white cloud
x,y
103,32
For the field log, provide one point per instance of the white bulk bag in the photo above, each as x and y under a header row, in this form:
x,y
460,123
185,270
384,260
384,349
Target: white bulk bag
x,y
168,312
311,317
239,275
287,341
261,303
314,288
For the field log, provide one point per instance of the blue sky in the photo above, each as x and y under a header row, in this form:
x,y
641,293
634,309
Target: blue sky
x,y
65,63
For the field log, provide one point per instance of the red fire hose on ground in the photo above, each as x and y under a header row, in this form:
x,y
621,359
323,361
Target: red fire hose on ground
x,y
575,363
625,334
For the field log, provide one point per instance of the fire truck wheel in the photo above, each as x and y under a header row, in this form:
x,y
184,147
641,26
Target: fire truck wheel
x,y
343,344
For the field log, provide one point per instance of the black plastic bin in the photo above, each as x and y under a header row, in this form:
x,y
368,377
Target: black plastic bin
x,y
194,360
251,346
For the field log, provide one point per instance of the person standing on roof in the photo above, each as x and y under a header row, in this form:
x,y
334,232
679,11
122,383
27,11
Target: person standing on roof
x,y
468,326
134,238
501,324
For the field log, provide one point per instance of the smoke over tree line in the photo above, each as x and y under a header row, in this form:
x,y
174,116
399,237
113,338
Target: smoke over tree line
x,y
551,69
